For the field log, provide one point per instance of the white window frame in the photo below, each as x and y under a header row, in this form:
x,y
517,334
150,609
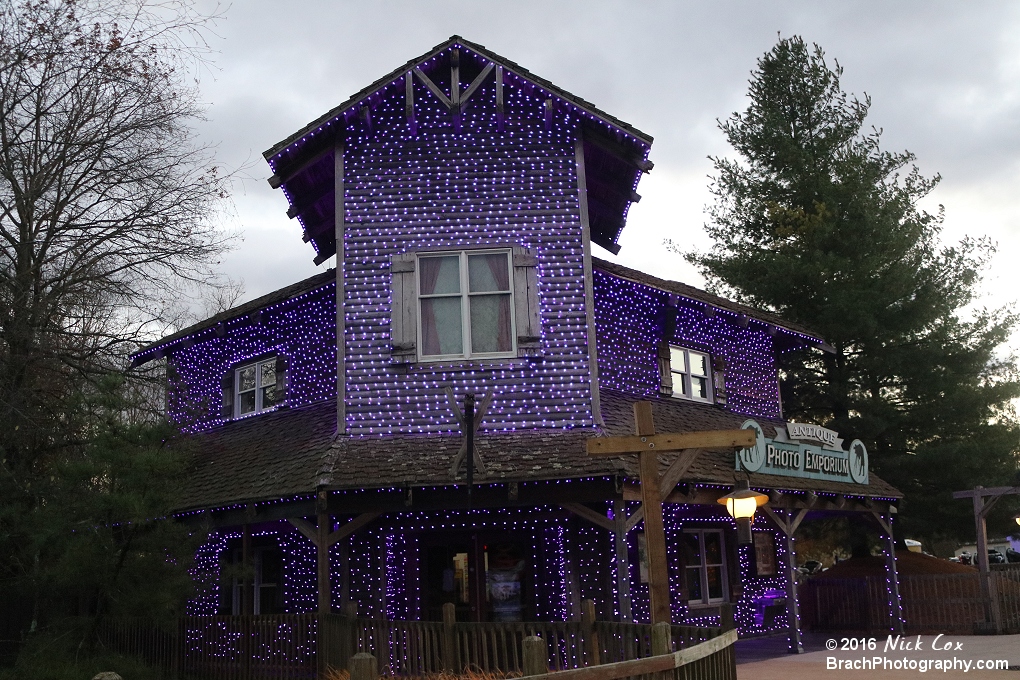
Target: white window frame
x,y
703,568
259,408
682,382
465,306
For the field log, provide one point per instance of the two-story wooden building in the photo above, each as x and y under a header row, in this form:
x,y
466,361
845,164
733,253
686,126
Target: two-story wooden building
x,y
461,195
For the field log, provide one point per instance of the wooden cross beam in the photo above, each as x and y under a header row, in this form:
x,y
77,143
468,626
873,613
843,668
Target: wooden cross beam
x,y
647,445
480,411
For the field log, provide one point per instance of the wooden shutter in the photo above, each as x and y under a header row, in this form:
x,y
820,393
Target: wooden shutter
x,y
404,310
665,374
281,381
719,379
527,313
227,408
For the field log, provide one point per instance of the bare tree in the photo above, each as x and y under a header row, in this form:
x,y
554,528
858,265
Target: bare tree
x,y
107,213
106,197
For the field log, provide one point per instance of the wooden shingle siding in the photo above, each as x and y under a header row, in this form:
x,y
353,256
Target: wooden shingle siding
x,y
442,190
633,354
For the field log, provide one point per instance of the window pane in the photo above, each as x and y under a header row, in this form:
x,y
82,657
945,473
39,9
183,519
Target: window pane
x,y
699,363
699,386
440,275
677,360
490,323
488,273
715,582
692,550
713,548
694,593
269,396
441,326
246,381
679,385
267,373
247,402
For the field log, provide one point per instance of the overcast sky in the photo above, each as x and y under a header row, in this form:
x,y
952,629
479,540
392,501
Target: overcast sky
x,y
944,78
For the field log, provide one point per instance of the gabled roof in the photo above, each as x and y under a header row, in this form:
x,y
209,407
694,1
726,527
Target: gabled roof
x,y
317,125
615,152
153,350
709,299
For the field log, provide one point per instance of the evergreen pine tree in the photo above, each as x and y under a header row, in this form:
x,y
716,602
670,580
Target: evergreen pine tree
x,y
816,222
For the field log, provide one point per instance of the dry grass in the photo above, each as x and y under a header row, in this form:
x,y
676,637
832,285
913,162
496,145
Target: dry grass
x,y
467,674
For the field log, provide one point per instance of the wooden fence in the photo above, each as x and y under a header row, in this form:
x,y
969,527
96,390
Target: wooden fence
x,y
290,645
940,603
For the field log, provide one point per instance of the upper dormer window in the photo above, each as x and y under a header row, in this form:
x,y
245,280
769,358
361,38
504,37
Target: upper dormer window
x,y
685,373
466,304
254,386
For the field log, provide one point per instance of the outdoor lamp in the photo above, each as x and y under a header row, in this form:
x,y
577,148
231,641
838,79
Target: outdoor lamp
x,y
741,504
1017,519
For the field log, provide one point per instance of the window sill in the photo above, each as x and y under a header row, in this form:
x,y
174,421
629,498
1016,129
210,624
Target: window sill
x,y
473,364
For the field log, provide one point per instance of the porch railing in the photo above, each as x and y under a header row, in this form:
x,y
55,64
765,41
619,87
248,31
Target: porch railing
x,y
304,645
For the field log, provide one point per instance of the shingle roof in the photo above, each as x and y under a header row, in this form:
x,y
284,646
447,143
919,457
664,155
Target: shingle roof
x,y
291,452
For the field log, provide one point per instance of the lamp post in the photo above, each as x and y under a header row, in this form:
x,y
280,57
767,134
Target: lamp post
x,y
741,504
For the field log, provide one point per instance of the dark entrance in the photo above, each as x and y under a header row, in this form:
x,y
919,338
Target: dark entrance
x,y
487,577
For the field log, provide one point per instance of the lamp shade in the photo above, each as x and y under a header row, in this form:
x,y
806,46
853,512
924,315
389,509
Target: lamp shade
x,y
1017,519
741,503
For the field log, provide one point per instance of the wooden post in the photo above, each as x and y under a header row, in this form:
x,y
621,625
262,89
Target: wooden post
x,y
341,345
247,573
364,667
726,619
535,656
988,591
647,445
325,595
662,643
651,503
662,638
792,608
592,648
622,560
451,662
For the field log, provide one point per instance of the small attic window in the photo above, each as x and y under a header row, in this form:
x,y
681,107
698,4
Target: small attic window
x,y
254,386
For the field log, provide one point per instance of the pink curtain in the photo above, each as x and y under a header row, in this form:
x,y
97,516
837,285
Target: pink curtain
x,y
500,272
429,329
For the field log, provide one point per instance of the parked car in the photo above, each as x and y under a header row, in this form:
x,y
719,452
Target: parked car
x,y
1012,556
995,557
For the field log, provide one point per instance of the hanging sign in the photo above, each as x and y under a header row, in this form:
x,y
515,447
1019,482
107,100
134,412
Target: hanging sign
x,y
788,454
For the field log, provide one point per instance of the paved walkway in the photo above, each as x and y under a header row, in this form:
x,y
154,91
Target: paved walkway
x,y
767,659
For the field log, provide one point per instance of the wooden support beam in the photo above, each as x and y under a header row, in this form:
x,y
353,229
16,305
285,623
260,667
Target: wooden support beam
x,y
547,113
283,176
311,532
622,560
351,526
325,585
306,528
409,102
339,235
433,88
651,503
587,513
455,88
676,470
248,572
712,439
499,98
476,83
589,282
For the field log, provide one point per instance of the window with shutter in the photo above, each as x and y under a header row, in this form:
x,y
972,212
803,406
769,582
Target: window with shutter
x,y
254,387
467,304
690,373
